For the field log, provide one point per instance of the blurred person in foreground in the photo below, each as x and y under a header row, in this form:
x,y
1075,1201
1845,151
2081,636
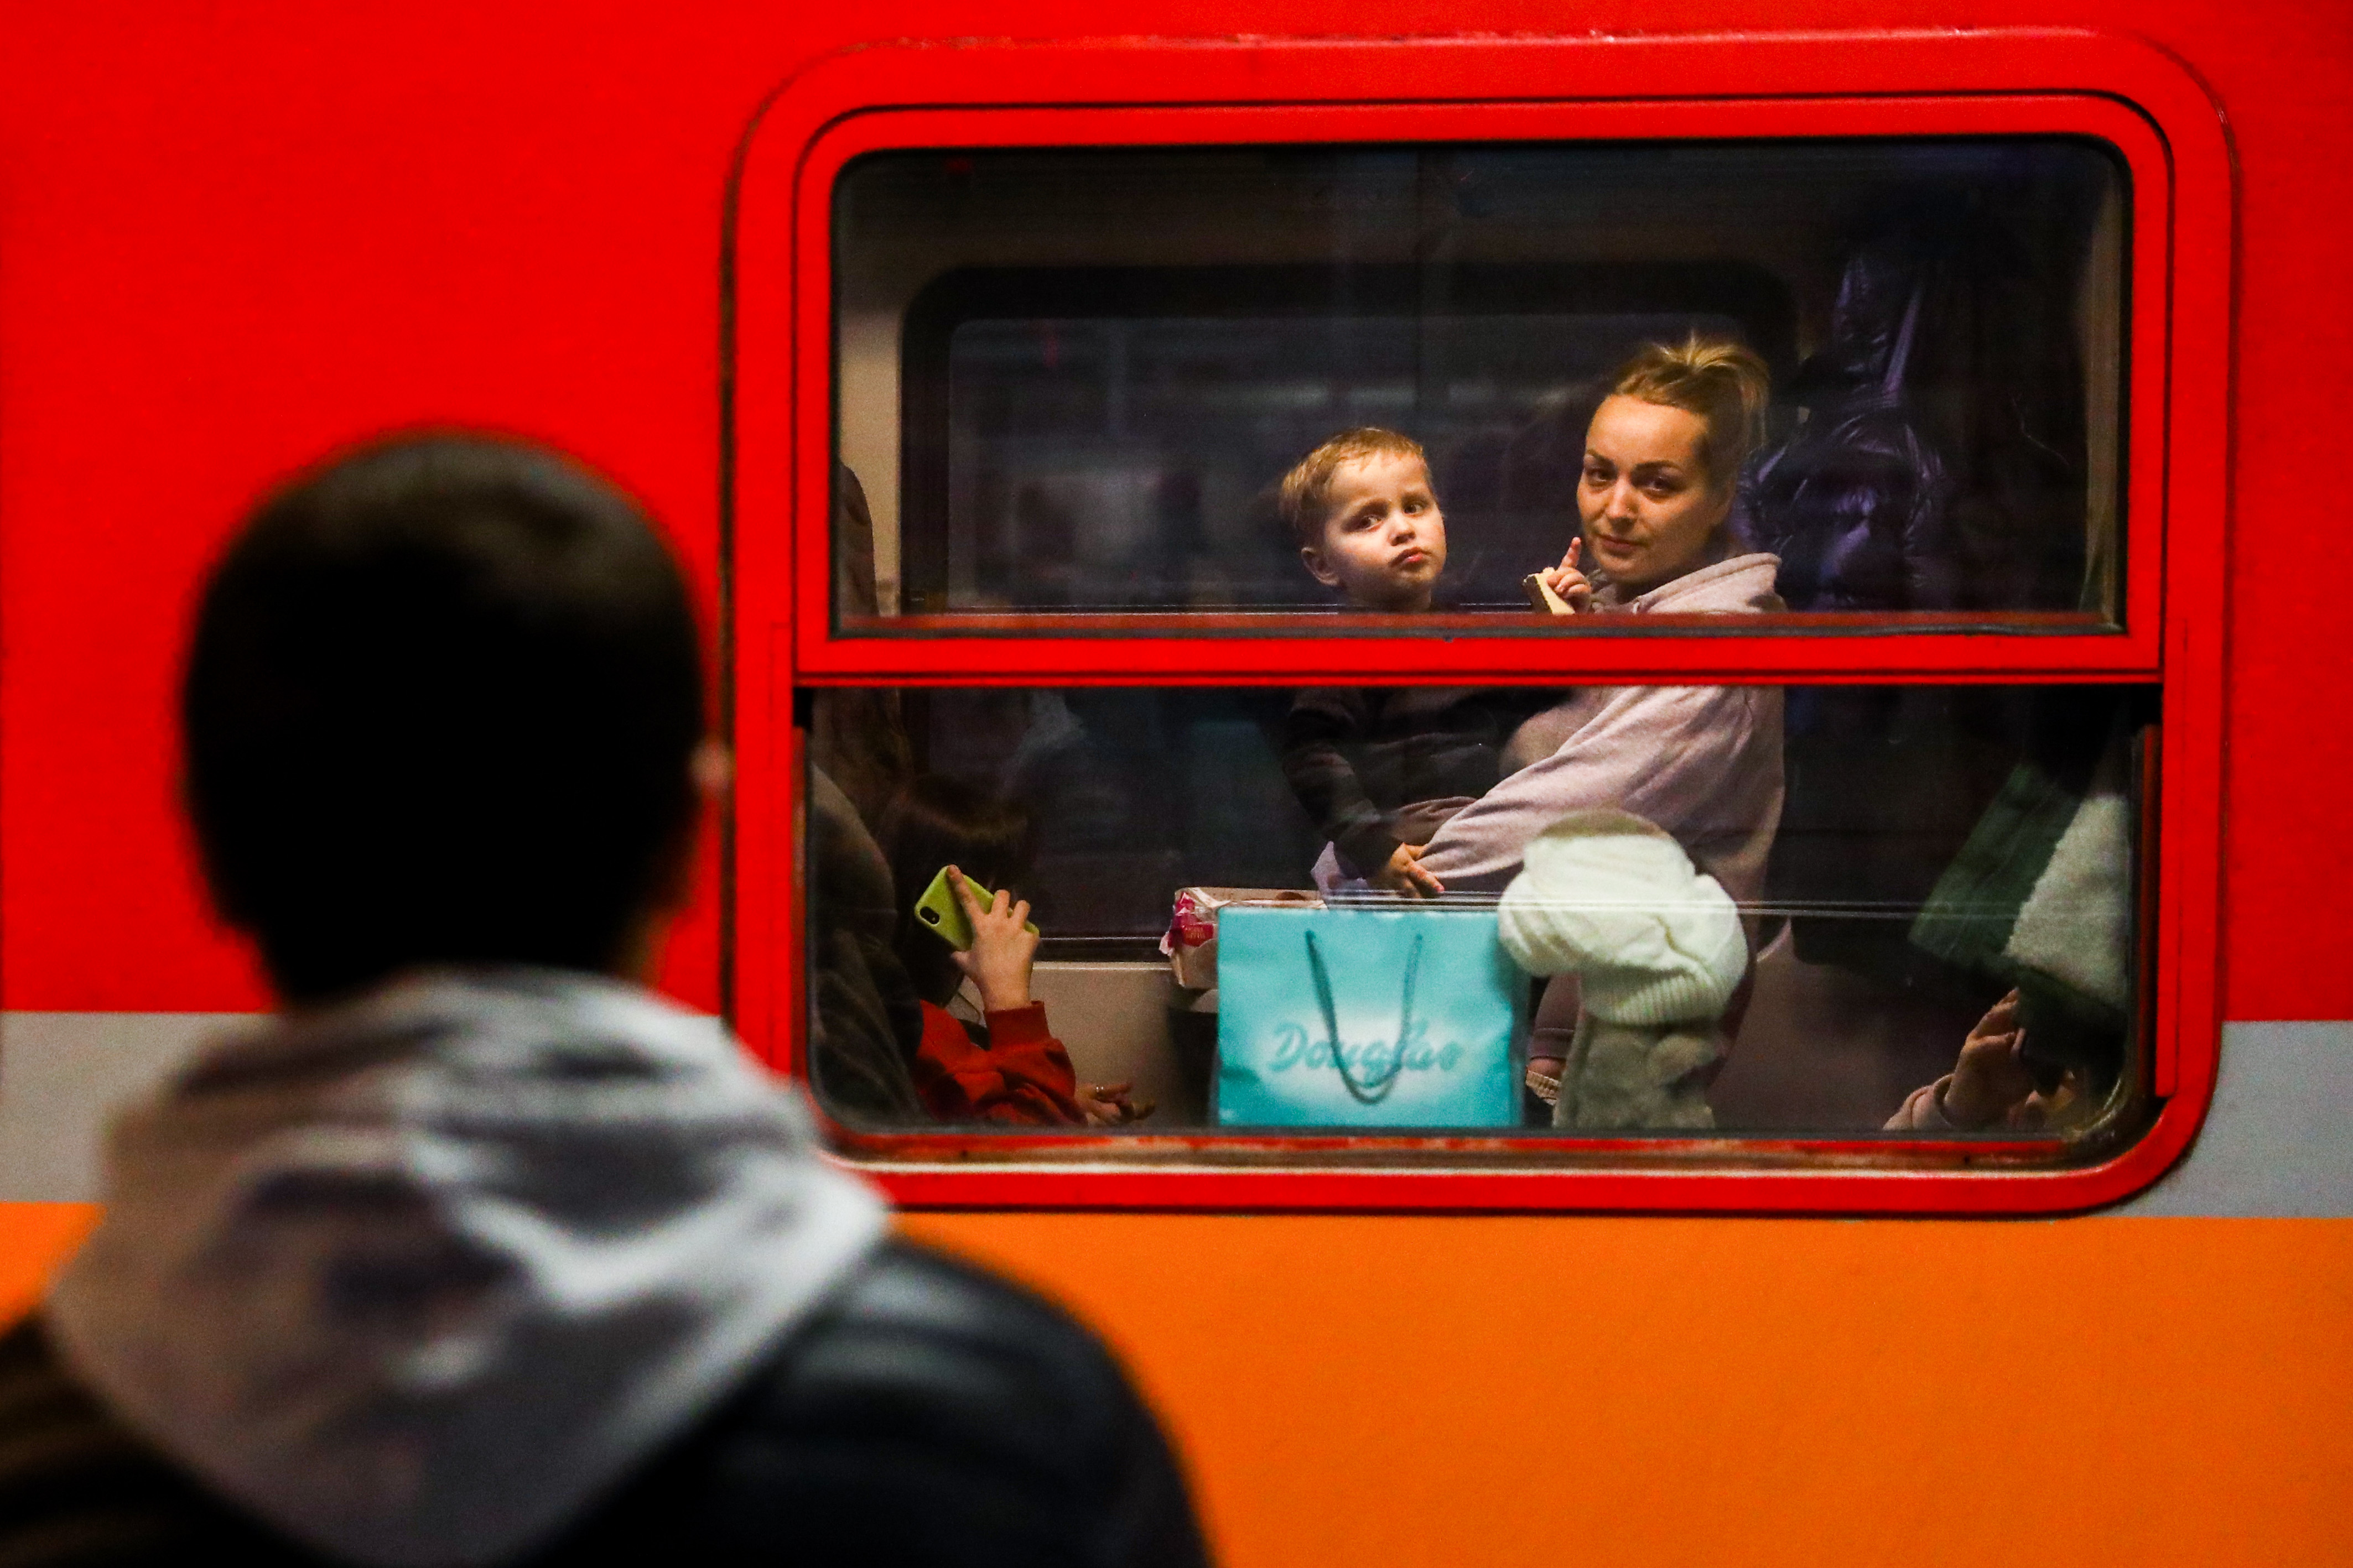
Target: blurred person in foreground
x,y
480,1252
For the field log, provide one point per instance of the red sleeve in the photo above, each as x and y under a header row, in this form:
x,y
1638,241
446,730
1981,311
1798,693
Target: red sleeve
x,y
1022,1076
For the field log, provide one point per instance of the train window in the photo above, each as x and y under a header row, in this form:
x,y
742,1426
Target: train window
x,y
1886,913
1069,383
1141,454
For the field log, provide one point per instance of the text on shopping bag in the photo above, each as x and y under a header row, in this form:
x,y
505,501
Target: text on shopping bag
x,y
1398,1016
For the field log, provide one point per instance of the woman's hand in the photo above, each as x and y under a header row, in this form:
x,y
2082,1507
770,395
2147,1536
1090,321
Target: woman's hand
x,y
1003,948
1405,874
1570,583
1991,1079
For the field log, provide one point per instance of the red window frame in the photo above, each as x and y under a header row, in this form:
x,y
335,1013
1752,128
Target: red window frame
x,y
781,637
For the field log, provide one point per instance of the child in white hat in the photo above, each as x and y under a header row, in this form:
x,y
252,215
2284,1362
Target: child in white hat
x,y
1657,949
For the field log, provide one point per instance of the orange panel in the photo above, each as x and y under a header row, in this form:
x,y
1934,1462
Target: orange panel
x,y
1505,1391
34,1239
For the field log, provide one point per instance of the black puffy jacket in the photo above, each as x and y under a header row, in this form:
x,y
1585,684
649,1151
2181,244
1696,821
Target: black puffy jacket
x,y
929,1415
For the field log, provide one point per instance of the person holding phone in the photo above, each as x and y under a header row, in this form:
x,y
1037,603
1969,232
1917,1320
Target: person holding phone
x,y
1004,1065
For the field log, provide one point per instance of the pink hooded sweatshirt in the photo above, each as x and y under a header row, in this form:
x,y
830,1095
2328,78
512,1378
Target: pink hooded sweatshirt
x,y
1703,763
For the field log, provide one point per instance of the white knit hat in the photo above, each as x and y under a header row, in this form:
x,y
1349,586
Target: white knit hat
x,y
1607,897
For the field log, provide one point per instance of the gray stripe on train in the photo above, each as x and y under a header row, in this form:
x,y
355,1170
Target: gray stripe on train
x,y
2278,1143
63,1074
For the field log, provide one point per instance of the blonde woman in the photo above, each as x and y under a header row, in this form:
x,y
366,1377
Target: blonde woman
x,y
1662,457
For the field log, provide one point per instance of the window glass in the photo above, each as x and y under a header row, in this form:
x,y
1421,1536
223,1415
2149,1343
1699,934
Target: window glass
x,y
1828,910
1071,382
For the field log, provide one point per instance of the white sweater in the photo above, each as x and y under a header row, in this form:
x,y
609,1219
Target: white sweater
x,y
1702,761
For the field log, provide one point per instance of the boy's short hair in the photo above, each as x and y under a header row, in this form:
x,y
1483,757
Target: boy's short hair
x,y
440,708
1306,494
934,820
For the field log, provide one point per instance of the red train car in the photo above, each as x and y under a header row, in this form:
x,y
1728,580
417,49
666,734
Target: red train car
x,y
961,350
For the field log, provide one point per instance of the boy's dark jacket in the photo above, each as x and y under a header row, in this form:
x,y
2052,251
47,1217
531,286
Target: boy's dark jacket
x,y
1355,755
927,1415
528,1266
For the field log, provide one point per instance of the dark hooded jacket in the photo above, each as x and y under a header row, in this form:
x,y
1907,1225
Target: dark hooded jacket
x,y
492,1267
927,1415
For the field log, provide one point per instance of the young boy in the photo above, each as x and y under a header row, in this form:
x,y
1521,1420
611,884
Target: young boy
x,y
1379,768
481,1252
1365,516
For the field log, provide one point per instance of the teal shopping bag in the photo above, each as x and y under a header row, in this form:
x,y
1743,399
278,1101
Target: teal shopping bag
x,y
1395,1015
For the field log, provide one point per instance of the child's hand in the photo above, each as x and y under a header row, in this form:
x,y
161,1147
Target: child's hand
x,y
1991,1079
1543,1077
1570,583
1110,1105
1405,874
1003,947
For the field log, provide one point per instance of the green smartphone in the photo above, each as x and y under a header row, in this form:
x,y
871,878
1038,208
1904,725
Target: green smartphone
x,y
939,910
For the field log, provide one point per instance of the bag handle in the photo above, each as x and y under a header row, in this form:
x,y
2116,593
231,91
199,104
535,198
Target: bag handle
x,y
1374,1091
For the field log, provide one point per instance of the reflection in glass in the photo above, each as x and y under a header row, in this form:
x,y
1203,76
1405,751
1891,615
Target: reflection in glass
x,y
1938,936
1069,382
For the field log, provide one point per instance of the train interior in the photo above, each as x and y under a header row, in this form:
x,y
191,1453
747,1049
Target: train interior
x,y
1068,382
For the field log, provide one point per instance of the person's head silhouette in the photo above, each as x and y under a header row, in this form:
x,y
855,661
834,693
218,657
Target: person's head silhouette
x,y
442,707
